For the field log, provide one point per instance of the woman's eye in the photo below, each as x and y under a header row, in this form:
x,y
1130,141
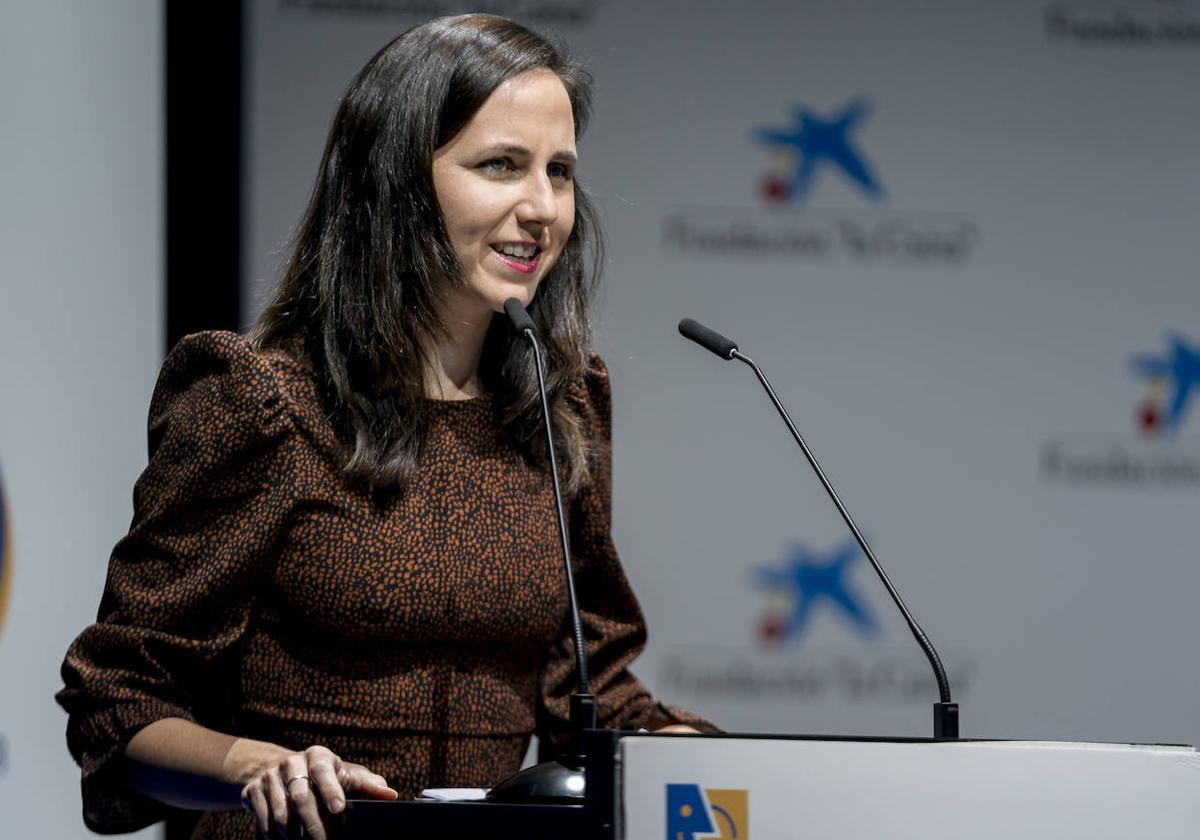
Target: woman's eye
x,y
496,165
559,171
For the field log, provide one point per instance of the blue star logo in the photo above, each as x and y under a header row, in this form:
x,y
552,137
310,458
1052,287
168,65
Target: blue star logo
x,y
808,579
815,142
1179,369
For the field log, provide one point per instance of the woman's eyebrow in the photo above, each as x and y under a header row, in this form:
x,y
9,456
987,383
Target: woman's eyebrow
x,y
520,151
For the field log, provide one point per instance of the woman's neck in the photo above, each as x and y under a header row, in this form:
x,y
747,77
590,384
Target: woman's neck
x,y
453,371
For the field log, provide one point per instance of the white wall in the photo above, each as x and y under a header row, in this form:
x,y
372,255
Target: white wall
x,y
1058,153
81,334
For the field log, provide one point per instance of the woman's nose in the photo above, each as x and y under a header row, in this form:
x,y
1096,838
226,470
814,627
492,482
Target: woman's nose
x,y
539,204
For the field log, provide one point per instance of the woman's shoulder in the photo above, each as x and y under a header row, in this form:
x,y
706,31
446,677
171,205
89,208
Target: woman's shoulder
x,y
220,377
595,374
592,395
592,383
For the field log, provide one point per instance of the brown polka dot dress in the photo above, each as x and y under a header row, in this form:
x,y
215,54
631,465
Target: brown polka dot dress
x,y
260,594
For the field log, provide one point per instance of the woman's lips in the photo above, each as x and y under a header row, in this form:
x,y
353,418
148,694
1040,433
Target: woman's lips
x,y
520,265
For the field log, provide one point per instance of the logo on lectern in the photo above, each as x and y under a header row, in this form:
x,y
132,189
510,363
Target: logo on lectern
x,y
718,813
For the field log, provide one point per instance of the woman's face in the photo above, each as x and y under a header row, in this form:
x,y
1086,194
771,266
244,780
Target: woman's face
x,y
505,184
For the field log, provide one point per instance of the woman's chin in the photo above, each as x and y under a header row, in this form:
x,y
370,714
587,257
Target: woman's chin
x,y
523,294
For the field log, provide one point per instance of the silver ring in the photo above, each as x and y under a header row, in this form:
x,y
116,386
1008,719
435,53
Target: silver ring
x,y
288,784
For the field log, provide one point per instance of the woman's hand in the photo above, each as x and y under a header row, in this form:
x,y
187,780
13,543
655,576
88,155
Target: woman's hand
x,y
292,789
177,761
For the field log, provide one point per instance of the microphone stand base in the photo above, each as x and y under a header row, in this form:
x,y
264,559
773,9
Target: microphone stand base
x,y
945,720
562,779
548,782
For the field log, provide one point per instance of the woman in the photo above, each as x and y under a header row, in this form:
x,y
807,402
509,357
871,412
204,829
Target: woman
x,y
342,576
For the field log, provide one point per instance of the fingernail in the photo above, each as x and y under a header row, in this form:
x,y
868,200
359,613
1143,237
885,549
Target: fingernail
x,y
335,805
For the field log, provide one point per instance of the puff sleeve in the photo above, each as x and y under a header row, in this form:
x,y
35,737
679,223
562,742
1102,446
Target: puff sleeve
x,y
181,585
613,624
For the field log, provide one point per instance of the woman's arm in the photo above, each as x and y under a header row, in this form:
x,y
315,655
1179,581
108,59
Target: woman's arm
x,y
187,765
216,494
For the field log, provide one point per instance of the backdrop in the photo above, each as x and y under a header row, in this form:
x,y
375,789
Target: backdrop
x,y
81,314
960,237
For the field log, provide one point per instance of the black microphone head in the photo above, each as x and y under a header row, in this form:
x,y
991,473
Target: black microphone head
x,y
518,316
706,338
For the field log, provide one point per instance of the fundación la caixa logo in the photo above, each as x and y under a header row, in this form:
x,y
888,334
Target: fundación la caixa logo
x,y
694,812
813,143
1170,378
814,156
1164,454
807,582
1127,25
819,632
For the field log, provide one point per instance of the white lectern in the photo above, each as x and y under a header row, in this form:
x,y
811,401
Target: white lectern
x,y
825,789
748,787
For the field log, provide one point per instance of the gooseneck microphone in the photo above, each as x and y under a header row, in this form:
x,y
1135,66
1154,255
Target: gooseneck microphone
x,y
945,712
523,324
562,779
710,340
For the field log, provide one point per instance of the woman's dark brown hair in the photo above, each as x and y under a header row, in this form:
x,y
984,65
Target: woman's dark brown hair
x,y
371,257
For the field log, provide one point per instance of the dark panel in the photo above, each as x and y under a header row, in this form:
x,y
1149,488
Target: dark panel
x,y
203,162
203,186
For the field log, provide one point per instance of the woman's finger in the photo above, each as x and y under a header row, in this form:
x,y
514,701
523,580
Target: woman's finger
x,y
277,800
297,786
323,769
360,780
254,802
304,801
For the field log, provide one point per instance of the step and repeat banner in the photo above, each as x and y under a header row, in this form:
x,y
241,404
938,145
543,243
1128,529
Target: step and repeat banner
x,y
960,237
81,313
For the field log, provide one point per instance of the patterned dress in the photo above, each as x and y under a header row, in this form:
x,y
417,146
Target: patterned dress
x,y
422,634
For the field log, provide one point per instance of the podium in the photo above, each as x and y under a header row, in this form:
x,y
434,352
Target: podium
x,y
752,787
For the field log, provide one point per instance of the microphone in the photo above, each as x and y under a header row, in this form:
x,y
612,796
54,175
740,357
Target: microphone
x,y
945,712
562,779
710,340
521,321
